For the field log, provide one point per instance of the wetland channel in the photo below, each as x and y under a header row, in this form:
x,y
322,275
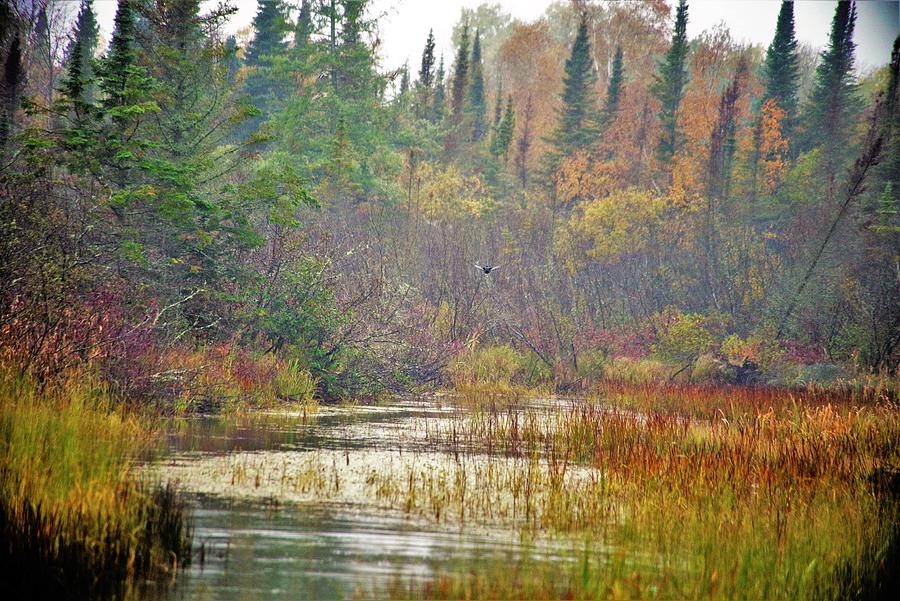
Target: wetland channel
x,y
311,505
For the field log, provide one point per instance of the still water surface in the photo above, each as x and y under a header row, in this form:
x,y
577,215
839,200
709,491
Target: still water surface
x,y
260,536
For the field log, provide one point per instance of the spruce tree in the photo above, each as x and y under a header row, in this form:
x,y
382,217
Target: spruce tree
x,y
404,80
503,135
781,68
578,118
833,104
81,49
426,70
476,108
425,83
498,106
614,91
270,27
460,77
439,100
231,59
120,61
304,28
669,87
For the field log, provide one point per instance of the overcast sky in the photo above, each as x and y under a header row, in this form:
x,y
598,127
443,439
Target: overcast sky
x,y
405,23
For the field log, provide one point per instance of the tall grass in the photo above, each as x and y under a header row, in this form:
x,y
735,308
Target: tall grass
x,y
716,493
75,522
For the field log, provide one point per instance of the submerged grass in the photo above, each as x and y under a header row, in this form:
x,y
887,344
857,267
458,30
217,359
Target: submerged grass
x,y
75,522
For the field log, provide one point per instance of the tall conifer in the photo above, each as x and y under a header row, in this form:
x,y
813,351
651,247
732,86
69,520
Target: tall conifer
x,y
578,118
669,87
614,91
781,68
833,103
439,100
476,108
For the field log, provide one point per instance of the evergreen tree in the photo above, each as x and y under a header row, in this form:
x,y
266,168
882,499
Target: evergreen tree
x,y
476,108
614,91
833,103
230,56
503,134
578,119
426,70
669,87
498,106
439,100
425,84
269,26
120,63
404,80
81,50
304,29
781,68
460,77
263,86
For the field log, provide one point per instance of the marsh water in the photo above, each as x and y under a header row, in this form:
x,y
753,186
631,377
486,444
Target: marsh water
x,y
284,508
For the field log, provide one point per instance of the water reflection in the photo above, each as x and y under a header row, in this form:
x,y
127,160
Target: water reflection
x,y
252,542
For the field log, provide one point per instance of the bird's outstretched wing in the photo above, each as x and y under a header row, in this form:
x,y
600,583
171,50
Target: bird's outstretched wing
x,y
495,267
478,266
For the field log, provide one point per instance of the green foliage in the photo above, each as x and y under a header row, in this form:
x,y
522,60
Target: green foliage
x,y
615,89
685,338
669,87
578,117
460,77
476,106
781,69
833,101
503,132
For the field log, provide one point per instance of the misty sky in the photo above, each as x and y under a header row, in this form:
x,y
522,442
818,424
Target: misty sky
x,y
405,23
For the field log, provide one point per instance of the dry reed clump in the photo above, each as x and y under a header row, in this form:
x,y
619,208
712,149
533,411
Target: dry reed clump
x,y
772,497
74,521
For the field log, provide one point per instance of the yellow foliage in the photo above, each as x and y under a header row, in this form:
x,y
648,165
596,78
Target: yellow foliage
x,y
619,224
773,146
446,193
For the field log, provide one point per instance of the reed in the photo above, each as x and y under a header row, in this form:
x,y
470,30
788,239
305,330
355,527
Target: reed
x,y
74,519
716,493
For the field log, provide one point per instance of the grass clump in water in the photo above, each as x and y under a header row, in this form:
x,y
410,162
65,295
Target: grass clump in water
x,y
75,522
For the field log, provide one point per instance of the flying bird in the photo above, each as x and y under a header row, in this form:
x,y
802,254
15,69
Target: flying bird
x,y
487,268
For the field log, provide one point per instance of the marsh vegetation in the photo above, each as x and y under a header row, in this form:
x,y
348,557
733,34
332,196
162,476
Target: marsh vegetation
x,y
582,307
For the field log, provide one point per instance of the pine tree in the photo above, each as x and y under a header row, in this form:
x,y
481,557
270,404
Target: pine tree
x,y
117,68
833,104
614,91
781,68
503,135
578,118
81,50
669,87
439,100
460,77
476,108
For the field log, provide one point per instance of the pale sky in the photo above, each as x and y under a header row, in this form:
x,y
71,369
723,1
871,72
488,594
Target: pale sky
x,y
405,23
